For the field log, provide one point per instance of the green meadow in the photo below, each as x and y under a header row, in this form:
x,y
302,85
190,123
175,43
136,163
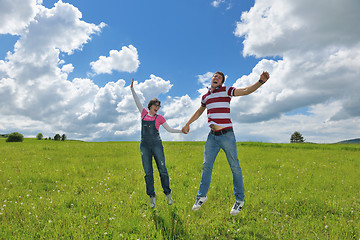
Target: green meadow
x,y
96,190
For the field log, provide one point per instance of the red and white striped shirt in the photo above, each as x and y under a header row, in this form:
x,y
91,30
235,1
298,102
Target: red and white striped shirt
x,y
218,106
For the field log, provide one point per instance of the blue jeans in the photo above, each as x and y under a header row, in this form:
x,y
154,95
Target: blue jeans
x,y
148,150
227,142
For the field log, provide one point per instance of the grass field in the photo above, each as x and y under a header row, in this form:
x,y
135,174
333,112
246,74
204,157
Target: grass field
x,y
86,190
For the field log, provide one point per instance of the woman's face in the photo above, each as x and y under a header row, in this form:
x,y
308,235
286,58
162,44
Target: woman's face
x,y
154,108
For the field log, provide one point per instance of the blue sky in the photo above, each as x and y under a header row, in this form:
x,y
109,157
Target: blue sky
x,y
176,40
66,66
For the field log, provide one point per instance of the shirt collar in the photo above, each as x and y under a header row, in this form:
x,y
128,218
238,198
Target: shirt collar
x,y
217,88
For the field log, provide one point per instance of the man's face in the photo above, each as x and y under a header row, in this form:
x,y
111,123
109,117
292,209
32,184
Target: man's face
x,y
216,80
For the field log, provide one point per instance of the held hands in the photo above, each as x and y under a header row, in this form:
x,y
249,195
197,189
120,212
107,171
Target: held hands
x,y
185,129
264,76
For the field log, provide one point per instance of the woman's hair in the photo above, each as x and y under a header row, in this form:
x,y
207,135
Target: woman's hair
x,y
153,102
223,76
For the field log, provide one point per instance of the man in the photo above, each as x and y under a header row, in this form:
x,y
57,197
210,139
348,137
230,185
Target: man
x,y
221,136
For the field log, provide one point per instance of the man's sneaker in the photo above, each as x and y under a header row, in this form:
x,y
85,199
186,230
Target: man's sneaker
x,y
237,207
152,202
169,199
199,202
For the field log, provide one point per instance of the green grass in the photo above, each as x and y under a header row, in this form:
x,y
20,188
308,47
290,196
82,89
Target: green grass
x,y
86,190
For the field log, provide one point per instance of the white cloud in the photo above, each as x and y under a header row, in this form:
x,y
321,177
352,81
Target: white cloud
x,y
153,87
68,68
318,68
177,112
15,15
36,90
319,62
205,79
315,127
274,27
125,60
37,95
217,3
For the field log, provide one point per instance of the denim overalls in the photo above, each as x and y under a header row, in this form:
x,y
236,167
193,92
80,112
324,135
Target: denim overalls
x,y
151,145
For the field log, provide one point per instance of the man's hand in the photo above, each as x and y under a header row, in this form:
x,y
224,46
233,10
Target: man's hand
x,y
185,129
265,76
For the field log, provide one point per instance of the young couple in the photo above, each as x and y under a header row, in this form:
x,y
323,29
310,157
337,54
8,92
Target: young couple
x,y
221,136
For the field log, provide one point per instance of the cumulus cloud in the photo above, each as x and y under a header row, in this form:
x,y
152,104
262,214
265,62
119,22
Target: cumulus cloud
x,y
275,27
68,68
14,18
319,58
316,68
125,60
37,95
177,111
33,85
205,79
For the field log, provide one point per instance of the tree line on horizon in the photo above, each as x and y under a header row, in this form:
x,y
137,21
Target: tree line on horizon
x,y
57,137
18,137
296,137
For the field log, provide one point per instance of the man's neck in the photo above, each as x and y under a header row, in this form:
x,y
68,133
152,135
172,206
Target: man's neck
x,y
212,89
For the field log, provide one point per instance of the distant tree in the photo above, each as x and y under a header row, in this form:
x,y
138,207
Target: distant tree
x,y
296,137
39,136
57,137
63,137
15,137
49,138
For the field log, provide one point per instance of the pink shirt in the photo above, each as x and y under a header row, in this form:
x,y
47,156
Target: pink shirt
x,y
159,120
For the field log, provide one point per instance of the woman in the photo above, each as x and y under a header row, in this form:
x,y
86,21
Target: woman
x,y
151,145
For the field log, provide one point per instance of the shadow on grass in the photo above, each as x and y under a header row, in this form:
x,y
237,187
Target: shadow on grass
x,y
170,225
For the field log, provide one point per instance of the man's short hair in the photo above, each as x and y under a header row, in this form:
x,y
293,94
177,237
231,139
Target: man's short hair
x,y
223,76
153,102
